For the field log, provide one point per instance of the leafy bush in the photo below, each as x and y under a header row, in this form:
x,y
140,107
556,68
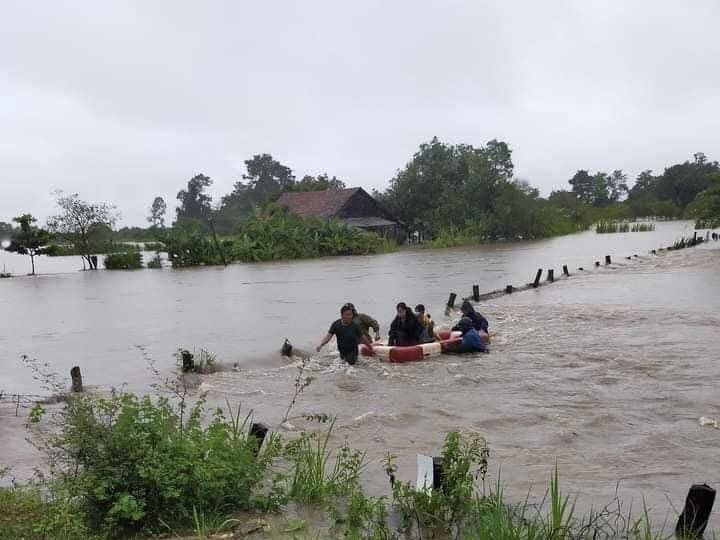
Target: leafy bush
x,y
30,513
276,234
134,464
446,510
187,244
128,260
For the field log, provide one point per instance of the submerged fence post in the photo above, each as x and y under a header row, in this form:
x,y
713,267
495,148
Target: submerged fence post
x,y
536,283
259,431
476,293
438,473
451,300
695,515
551,275
607,259
565,270
76,376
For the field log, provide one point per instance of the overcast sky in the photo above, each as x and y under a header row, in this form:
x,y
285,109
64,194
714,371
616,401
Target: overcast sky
x,y
123,101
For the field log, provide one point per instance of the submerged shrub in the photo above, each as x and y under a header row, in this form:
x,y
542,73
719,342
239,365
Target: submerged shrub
x,y
127,260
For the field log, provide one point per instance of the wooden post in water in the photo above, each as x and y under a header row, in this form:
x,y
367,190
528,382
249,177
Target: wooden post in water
x,y
607,259
536,283
476,293
695,515
438,473
508,289
551,275
451,300
259,431
76,376
565,270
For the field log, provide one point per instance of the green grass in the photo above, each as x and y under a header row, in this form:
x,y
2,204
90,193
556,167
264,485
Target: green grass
x,y
317,472
607,227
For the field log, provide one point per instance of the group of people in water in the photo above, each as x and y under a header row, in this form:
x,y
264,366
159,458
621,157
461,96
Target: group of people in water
x,y
407,329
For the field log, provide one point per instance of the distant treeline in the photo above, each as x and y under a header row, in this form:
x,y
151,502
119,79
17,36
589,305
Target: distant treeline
x,y
450,194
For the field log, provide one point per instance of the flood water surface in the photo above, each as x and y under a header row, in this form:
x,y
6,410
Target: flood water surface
x,y
605,373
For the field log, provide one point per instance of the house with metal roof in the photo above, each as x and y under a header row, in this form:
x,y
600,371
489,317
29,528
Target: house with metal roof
x,y
352,206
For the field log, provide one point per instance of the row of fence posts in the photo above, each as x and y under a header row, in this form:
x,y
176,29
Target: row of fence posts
x,y
700,499
509,289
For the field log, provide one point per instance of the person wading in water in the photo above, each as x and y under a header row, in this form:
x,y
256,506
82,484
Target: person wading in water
x,y
349,336
366,322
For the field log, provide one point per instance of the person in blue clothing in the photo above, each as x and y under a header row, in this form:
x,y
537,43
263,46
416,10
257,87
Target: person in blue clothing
x,y
471,341
479,322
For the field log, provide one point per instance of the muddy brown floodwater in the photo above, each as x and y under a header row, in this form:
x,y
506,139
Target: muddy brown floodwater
x,y
606,373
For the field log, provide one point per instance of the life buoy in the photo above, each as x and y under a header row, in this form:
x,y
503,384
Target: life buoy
x,y
413,353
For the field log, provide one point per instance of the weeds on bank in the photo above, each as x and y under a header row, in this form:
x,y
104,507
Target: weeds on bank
x,y
123,466
317,473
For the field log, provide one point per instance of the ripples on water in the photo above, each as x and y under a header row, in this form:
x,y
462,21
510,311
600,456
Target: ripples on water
x,y
606,373
612,392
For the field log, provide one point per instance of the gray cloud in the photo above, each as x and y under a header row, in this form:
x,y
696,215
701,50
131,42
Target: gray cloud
x,y
125,101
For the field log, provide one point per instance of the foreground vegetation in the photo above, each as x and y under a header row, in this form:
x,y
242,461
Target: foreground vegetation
x,y
131,467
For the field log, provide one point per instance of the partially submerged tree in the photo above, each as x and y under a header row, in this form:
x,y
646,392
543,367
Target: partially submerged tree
x,y
82,222
29,239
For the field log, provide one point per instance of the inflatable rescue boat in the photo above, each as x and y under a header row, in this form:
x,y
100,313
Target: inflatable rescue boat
x,y
413,353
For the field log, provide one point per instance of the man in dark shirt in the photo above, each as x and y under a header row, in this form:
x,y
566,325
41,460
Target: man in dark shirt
x,y
349,335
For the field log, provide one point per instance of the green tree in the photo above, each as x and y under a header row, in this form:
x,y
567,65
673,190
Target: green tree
x,y
83,223
705,209
157,213
583,185
322,182
6,230
194,202
600,189
617,185
29,239
681,183
266,177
